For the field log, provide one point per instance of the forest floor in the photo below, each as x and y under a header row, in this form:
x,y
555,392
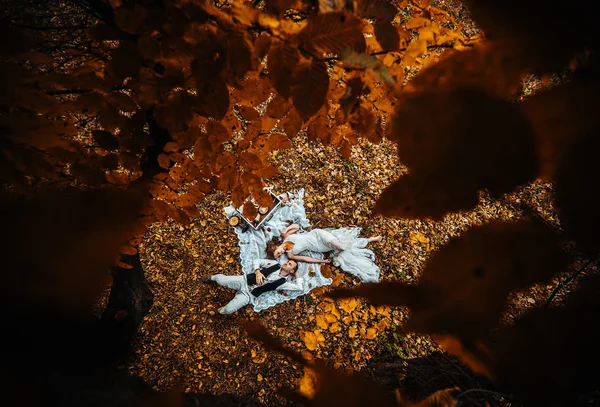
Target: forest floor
x,y
184,342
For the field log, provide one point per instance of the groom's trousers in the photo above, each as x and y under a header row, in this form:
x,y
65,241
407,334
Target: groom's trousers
x,y
238,283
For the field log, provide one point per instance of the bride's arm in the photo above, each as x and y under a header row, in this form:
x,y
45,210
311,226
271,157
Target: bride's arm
x,y
307,259
293,228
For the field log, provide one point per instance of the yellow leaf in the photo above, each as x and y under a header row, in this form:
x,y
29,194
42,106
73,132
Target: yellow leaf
x,y
417,22
310,339
259,359
319,336
348,304
308,383
335,327
331,318
230,260
427,35
322,321
418,237
347,319
371,333
337,280
327,305
259,378
352,332
381,325
384,310
336,312
414,50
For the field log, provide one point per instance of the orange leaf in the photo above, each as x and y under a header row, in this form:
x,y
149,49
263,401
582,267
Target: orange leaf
x,y
249,210
371,333
387,35
186,200
171,147
281,62
309,339
332,32
352,332
217,133
309,92
348,304
250,161
164,161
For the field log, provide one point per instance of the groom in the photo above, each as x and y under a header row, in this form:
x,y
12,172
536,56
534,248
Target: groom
x,y
268,276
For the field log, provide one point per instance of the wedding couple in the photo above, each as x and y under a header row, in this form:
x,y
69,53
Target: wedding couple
x,y
349,254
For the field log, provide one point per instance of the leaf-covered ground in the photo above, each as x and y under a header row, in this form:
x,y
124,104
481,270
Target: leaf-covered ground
x,y
184,341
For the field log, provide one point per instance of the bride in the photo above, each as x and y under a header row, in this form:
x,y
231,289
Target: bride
x,y
350,253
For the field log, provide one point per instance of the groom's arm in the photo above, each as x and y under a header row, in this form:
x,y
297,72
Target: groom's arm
x,y
258,264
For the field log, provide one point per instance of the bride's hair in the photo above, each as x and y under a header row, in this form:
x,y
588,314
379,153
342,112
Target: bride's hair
x,y
271,246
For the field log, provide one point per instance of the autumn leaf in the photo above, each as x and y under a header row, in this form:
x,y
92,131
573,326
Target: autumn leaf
x,y
164,161
277,108
105,139
418,237
332,32
337,280
249,113
323,320
307,384
268,171
125,61
281,63
345,150
130,20
250,161
171,147
122,102
352,331
432,177
379,10
292,123
371,333
475,271
310,87
216,132
213,98
414,50
262,45
239,55
110,161
387,35
101,32
348,304
309,339
249,210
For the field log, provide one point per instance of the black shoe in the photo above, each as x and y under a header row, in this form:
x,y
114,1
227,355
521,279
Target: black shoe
x,y
207,280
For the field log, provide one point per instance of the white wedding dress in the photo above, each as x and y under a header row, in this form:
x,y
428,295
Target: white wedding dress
x,y
355,259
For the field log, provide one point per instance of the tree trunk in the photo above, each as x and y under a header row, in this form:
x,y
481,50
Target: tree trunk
x,y
130,299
